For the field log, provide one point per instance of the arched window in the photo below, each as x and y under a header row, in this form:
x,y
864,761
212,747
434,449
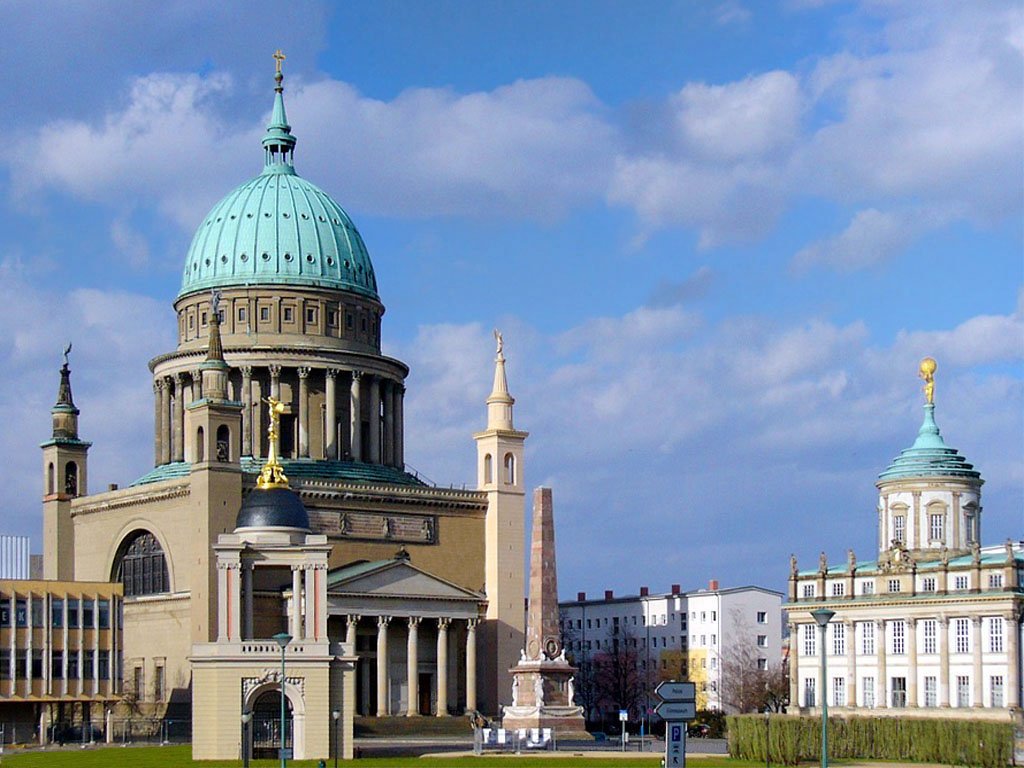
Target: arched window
x,y
223,443
510,469
488,469
49,479
200,445
71,478
140,565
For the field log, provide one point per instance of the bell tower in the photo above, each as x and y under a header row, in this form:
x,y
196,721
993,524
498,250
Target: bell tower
x,y
500,475
65,466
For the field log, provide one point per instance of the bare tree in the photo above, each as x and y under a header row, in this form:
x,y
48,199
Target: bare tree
x,y
613,678
751,681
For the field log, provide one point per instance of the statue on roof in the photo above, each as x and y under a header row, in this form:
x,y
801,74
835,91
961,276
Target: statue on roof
x,y
851,560
823,563
792,565
927,372
272,475
67,351
499,339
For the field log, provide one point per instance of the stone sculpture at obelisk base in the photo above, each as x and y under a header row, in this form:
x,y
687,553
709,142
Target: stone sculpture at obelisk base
x,y
542,681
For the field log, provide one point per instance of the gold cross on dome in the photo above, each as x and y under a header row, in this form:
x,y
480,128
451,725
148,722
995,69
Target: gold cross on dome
x,y
278,58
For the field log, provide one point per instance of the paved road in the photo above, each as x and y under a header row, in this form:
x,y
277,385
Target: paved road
x,y
410,747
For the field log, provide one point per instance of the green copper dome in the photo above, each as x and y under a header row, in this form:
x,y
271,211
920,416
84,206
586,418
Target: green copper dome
x,y
929,456
278,229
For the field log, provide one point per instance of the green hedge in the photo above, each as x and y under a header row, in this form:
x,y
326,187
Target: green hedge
x,y
792,739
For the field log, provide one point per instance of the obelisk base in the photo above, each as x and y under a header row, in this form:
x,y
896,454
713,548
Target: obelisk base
x,y
542,698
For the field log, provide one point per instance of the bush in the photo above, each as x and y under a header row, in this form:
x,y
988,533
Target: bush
x,y
791,739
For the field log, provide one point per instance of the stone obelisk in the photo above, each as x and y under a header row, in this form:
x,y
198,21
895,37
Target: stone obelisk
x,y
542,687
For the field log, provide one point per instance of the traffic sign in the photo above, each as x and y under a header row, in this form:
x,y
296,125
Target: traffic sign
x,y
675,746
675,690
676,710
623,715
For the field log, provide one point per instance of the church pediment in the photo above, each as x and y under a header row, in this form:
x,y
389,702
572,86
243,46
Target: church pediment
x,y
394,578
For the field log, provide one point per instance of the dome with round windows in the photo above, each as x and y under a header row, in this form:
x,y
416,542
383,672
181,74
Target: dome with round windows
x,y
278,229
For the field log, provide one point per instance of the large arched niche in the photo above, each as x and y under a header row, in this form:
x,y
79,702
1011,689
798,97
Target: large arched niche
x,y
140,563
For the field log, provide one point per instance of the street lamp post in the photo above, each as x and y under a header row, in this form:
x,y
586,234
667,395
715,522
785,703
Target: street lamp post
x,y
282,639
246,717
767,736
823,616
336,715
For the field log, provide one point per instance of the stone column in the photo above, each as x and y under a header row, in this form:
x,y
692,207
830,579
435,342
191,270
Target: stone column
x,y
382,666
356,433
851,661
351,627
387,398
223,596
257,419
914,536
955,542
331,417
976,675
880,650
165,415
442,667
296,629
304,413
471,664
794,664
234,602
197,384
311,617
247,410
275,381
399,428
912,663
943,630
374,420
247,600
179,417
1012,629
412,667
157,397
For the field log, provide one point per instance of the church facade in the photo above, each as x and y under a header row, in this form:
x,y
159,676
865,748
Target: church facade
x,y
419,587
931,627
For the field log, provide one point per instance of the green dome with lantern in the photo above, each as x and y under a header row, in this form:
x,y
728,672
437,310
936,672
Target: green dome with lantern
x,y
278,229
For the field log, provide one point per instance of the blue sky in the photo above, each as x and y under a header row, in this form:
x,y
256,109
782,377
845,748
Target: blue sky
x,y
718,236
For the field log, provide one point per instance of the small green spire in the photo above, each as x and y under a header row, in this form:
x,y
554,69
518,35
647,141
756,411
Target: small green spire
x,y
278,143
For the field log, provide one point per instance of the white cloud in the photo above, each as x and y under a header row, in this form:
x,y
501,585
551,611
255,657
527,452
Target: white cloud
x,y
533,148
872,237
690,436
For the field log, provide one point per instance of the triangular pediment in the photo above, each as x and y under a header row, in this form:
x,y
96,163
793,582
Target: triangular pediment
x,y
395,578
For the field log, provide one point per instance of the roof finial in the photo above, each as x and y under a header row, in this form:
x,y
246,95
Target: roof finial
x,y
927,372
278,75
272,475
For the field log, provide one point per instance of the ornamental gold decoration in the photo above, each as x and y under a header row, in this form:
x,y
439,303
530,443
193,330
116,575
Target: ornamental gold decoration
x,y
927,372
272,475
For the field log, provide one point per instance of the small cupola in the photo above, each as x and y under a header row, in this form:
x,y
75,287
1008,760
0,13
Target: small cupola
x,y
64,414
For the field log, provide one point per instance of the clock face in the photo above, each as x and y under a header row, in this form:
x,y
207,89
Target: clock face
x,y
533,649
551,647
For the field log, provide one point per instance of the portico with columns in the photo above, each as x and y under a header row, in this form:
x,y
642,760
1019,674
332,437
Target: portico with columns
x,y
415,635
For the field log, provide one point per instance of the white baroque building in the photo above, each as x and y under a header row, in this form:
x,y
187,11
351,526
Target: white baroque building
x,y
932,626
676,635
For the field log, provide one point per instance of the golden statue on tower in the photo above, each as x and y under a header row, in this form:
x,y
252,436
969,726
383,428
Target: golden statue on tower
x,y
272,475
927,372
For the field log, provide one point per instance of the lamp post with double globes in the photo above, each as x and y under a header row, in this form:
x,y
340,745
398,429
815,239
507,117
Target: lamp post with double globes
x,y
823,616
335,716
282,639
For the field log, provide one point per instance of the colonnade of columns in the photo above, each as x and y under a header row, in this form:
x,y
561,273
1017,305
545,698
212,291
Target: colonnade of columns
x,y
412,657
361,418
235,606
909,661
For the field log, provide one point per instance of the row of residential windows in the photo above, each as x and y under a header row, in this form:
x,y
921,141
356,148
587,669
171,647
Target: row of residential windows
x,y
960,582
761,617
81,613
898,692
928,641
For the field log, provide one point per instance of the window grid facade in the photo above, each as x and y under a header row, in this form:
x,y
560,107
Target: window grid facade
x,y
929,633
962,633
838,639
868,638
995,634
899,631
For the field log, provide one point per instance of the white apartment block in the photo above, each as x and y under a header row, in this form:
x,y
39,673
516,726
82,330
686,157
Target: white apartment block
x,y
676,635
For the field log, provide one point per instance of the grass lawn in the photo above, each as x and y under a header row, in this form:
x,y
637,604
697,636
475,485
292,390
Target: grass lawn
x,y
174,757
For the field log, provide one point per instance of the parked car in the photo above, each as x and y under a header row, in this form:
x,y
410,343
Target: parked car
x,y
698,730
